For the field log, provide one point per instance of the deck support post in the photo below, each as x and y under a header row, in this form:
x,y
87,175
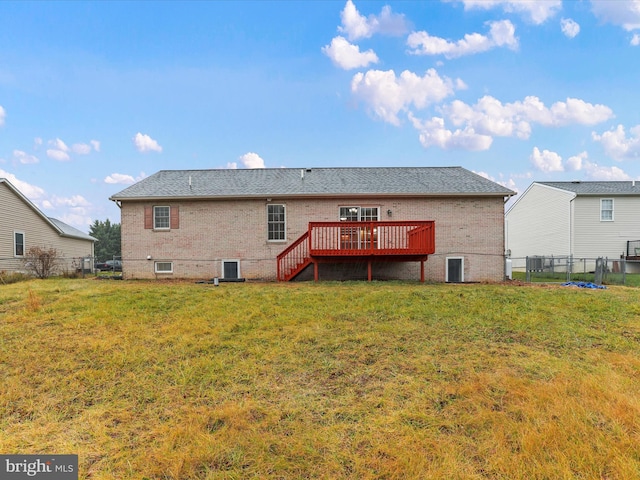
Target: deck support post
x,y
422,271
369,269
315,271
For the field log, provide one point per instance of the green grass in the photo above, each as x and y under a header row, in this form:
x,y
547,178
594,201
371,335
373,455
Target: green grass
x,y
330,380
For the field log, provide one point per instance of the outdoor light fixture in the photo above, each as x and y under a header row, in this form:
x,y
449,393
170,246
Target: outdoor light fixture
x,y
389,212
148,257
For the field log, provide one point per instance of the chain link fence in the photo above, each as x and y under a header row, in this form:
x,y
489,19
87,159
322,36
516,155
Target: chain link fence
x,y
600,270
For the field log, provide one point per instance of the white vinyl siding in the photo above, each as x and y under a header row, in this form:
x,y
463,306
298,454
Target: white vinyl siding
x,y
596,238
18,216
539,223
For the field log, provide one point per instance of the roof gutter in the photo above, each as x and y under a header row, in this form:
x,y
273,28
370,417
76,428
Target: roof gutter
x,y
119,200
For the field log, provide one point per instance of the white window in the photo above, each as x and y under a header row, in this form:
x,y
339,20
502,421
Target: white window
x,y
18,244
161,219
276,227
164,267
606,209
358,214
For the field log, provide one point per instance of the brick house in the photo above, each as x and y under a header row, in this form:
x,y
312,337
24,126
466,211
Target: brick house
x,y
23,225
427,223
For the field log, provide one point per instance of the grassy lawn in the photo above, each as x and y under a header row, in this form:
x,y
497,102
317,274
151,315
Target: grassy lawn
x,y
381,380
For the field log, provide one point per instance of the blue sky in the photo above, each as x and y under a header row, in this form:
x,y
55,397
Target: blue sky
x,y
97,95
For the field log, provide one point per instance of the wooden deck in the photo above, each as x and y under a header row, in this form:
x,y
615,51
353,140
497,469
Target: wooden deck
x,y
338,242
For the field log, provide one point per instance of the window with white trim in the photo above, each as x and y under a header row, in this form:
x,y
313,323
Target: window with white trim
x,y
231,269
276,226
358,214
161,217
358,238
163,267
18,244
455,270
606,209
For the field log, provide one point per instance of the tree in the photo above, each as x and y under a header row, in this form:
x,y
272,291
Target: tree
x,y
41,262
108,235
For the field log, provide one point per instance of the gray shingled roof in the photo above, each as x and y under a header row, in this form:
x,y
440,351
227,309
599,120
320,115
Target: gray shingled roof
x,y
274,182
597,188
69,231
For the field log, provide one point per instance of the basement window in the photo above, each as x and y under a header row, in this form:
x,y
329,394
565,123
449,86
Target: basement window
x,y
164,267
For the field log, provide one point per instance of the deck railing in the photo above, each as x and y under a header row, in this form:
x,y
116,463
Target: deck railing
x,y
294,258
371,238
357,239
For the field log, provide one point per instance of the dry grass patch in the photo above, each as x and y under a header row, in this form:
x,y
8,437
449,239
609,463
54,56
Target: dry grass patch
x,y
351,380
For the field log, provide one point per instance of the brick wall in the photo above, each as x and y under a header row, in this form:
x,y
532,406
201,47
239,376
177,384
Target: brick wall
x,y
213,231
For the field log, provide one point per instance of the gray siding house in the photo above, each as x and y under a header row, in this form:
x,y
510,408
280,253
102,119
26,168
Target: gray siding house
x,y
23,225
581,219
436,224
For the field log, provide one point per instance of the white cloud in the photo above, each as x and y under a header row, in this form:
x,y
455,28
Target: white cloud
x,y
510,183
625,13
3,114
387,95
73,201
144,143
569,27
546,161
635,40
95,144
251,160
59,150
617,145
24,157
81,148
347,56
120,178
537,11
501,35
596,172
79,218
32,192
489,116
575,162
232,165
433,133
37,142
356,26
59,145
58,155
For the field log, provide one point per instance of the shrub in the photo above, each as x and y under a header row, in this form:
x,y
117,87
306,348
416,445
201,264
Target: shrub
x,y
42,262
12,277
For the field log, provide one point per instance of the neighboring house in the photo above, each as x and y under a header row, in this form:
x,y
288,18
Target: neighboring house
x,y
327,223
23,225
581,219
